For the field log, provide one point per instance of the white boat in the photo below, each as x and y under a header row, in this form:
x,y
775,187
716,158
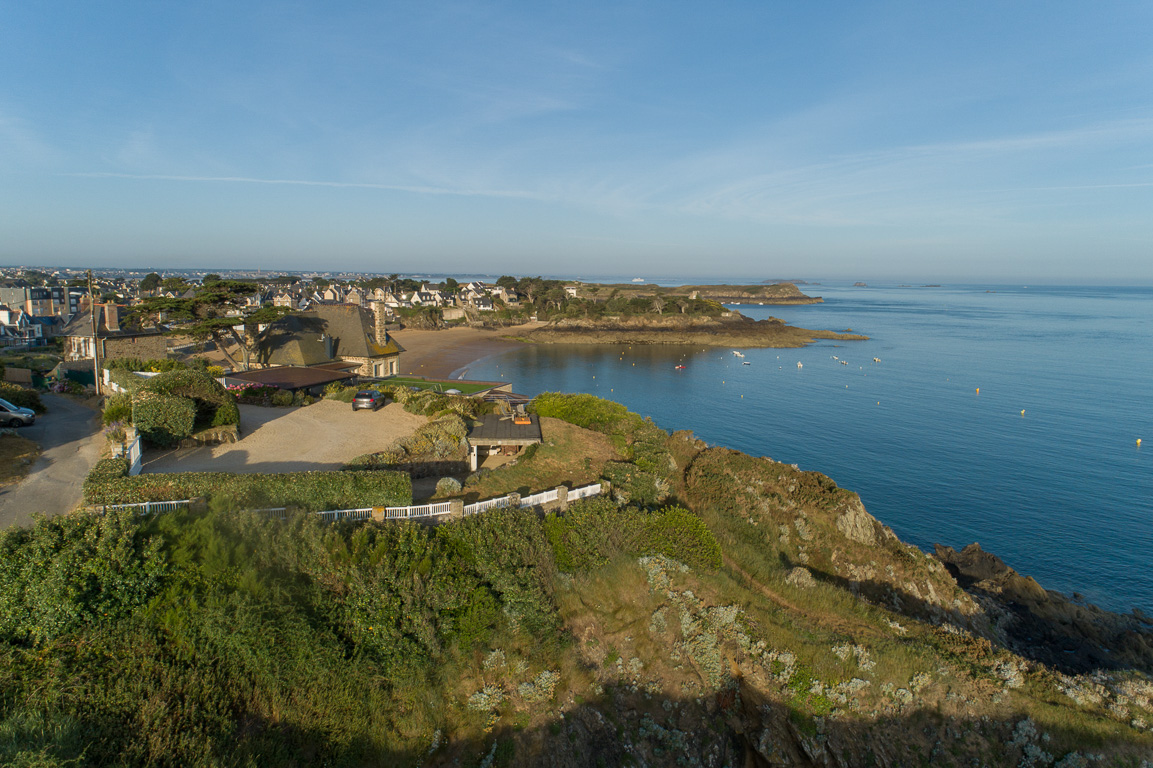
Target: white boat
x,y
738,354
800,365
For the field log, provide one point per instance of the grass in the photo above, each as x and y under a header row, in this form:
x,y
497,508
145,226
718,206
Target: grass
x,y
466,387
16,457
568,454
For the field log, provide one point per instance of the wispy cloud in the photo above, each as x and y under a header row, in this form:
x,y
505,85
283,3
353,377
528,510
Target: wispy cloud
x,y
424,190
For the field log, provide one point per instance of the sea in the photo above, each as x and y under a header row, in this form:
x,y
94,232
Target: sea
x,y
1004,415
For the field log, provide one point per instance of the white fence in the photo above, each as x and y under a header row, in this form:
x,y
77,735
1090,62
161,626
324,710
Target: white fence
x,y
134,455
481,506
584,492
149,507
390,513
544,497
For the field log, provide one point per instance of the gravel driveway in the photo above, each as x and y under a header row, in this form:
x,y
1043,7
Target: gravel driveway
x,y
321,436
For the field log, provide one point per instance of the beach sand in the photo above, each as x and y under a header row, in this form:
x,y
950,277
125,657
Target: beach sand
x,y
437,354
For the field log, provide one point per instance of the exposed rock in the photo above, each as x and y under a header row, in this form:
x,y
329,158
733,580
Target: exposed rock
x,y
1047,626
801,577
857,524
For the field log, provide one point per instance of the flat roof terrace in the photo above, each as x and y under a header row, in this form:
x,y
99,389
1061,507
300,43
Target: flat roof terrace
x,y
500,430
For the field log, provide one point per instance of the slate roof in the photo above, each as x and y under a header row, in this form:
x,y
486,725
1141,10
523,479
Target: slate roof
x,y
289,377
300,339
81,325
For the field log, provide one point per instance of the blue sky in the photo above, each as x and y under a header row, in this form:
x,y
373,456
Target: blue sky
x,y
974,141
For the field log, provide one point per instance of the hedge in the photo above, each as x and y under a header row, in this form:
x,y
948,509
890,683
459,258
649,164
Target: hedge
x,y
22,398
163,420
215,407
313,491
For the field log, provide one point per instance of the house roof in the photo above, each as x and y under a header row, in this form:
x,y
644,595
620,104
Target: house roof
x,y
289,377
500,430
324,335
81,325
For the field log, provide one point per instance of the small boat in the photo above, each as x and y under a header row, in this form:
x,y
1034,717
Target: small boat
x,y
843,362
876,359
800,365
738,353
680,367
746,362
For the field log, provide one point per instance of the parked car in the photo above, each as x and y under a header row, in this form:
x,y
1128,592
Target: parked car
x,y
369,398
15,416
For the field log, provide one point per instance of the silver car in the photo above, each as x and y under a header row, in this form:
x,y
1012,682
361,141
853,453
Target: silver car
x,y
15,416
369,398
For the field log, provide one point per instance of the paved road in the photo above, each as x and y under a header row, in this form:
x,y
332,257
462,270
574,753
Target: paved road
x,y
70,436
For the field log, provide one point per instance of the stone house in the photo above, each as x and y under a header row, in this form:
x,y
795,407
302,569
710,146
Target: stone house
x,y
331,333
114,340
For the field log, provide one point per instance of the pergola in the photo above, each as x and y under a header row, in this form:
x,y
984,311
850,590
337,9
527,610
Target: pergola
x,y
498,433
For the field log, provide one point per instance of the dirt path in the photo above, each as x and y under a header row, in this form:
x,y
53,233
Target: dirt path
x,y
71,438
322,436
438,354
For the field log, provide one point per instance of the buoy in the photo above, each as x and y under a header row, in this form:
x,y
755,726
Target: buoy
x,y
1022,411
978,390
1138,442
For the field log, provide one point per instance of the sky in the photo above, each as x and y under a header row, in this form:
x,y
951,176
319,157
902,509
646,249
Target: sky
x,y
946,142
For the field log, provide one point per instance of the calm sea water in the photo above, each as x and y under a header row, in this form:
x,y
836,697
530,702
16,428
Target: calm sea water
x,y
1061,492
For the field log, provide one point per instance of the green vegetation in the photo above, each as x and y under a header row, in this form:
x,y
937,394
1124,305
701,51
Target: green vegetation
x,y
466,387
23,398
758,613
314,491
171,406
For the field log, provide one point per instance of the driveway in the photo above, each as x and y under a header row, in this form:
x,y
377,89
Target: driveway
x,y
70,437
321,436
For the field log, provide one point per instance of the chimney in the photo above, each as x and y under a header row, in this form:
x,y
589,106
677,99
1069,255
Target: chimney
x,y
112,317
380,312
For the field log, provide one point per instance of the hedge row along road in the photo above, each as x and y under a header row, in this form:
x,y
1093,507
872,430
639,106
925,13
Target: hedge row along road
x,y
71,438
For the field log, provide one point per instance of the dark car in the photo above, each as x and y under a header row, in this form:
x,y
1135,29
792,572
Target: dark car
x,y
369,398
15,416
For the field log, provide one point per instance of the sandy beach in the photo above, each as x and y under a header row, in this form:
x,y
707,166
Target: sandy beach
x,y
437,354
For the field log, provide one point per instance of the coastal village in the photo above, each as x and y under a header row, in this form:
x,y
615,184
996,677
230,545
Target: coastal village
x,y
553,572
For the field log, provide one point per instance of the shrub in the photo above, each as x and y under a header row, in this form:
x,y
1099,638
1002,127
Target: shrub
x,y
301,398
118,407
136,364
163,420
282,398
588,411
215,407
22,398
446,486
307,490
681,535
339,392
106,469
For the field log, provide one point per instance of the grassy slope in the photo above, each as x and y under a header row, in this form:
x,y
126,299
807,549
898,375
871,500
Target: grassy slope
x,y
233,640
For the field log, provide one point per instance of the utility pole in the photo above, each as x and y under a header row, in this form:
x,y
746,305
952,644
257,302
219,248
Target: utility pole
x,y
95,334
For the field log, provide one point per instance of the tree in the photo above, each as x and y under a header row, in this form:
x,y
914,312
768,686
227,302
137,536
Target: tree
x,y
210,278
216,312
506,282
174,284
450,285
150,282
321,283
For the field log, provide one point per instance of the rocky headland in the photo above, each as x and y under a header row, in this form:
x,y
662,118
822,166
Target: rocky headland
x,y
729,330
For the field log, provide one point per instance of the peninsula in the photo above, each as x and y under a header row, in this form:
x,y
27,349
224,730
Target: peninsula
x,y
730,329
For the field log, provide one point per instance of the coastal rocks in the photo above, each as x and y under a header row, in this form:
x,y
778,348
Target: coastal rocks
x,y
1069,635
857,524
